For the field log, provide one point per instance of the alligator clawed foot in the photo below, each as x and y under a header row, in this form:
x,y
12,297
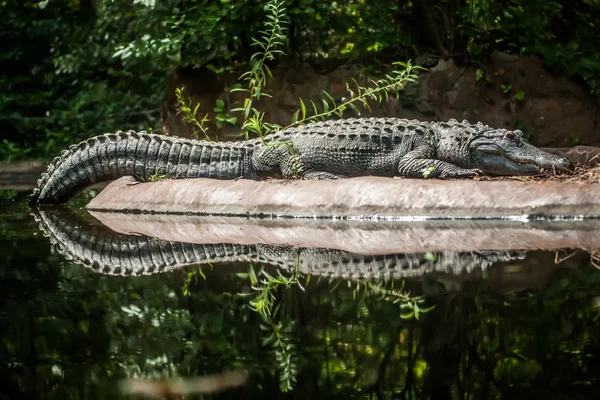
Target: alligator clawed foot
x,y
470,173
463,173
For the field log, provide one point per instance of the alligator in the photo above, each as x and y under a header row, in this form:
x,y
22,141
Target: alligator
x,y
97,247
323,150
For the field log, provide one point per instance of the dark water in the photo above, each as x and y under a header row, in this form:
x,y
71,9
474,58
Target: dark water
x,y
522,326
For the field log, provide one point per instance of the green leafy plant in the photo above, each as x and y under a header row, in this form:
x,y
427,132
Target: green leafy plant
x,y
380,89
264,287
264,290
156,177
519,96
478,74
192,278
410,306
531,26
270,42
189,115
428,171
10,150
222,117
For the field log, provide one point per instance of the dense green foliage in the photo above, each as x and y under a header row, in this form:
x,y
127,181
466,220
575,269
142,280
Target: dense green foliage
x,y
74,68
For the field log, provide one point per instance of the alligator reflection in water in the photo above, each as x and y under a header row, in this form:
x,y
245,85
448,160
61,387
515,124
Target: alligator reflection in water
x,y
105,251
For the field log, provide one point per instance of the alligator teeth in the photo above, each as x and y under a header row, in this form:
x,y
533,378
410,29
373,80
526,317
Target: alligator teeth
x,y
525,163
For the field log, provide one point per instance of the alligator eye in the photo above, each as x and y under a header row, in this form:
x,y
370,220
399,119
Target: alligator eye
x,y
510,136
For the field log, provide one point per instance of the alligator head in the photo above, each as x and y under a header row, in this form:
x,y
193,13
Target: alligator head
x,y
501,152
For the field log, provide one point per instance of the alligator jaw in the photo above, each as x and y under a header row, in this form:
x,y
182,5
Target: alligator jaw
x,y
524,160
528,155
502,165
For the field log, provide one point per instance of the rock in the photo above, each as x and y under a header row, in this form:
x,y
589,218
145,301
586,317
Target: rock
x,y
364,198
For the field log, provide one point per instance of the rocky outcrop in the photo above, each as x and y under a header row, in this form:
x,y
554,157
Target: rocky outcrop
x,y
355,199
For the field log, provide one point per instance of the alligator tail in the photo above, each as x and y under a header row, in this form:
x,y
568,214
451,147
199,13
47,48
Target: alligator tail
x,y
142,155
107,252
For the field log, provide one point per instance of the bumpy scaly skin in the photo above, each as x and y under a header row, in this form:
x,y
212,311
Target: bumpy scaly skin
x,y
107,252
323,150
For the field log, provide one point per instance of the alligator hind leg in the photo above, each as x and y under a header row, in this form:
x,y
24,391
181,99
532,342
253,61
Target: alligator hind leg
x,y
322,175
293,167
282,159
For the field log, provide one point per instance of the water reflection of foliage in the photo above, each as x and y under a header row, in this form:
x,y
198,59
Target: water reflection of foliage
x,y
277,333
474,344
68,332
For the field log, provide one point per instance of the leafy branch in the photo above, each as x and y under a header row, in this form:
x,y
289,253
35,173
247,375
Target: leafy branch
x,y
265,286
192,278
264,301
393,83
271,39
185,108
409,306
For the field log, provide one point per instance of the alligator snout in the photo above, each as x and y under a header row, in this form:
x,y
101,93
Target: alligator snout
x,y
566,164
525,160
556,162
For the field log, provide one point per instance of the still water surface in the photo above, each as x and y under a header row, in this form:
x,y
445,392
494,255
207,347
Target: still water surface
x,y
74,322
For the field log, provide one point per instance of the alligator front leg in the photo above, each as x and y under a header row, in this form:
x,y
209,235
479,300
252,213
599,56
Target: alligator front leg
x,y
417,164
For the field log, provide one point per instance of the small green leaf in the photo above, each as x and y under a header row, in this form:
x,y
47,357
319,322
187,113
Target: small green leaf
x,y
316,110
428,171
303,107
478,74
354,108
330,98
424,310
430,257
520,96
